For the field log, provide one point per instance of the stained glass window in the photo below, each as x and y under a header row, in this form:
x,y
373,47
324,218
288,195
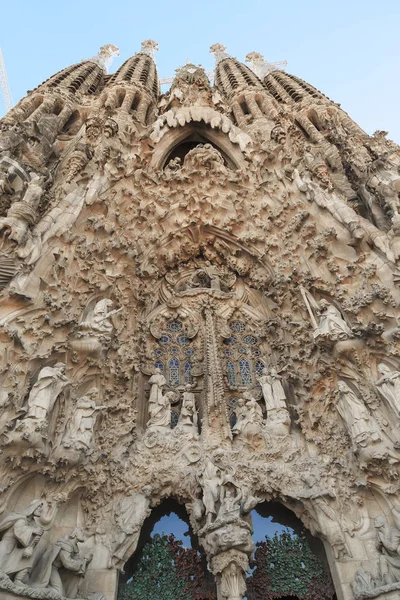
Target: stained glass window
x,y
245,373
243,363
174,372
177,353
230,368
187,371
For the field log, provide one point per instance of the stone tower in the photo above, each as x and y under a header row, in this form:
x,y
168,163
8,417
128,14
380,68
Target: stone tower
x,y
199,300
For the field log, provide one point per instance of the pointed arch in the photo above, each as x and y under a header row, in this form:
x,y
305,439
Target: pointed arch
x,y
220,137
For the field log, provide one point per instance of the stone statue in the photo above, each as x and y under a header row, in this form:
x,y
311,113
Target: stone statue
x,y
247,428
157,382
230,503
188,418
272,389
129,517
98,321
331,323
23,213
388,544
360,424
21,533
160,411
211,480
49,385
58,564
81,425
389,386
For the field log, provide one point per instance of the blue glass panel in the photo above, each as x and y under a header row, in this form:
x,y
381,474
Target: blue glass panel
x,y
173,371
159,365
228,352
183,340
165,339
250,339
158,352
174,326
238,326
242,350
231,340
174,419
232,419
174,350
245,372
259,367
189,352
230,371
187,371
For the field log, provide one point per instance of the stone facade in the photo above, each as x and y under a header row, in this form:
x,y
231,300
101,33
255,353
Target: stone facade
x,y
199,300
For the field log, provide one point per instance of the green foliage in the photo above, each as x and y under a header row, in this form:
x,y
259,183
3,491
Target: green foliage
x,y
156,576
285,565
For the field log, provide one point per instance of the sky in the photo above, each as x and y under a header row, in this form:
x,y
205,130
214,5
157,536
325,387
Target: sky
x,y
173,524
349,49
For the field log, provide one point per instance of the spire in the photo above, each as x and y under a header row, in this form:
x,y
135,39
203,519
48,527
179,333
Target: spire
x,y
149,47
262,67
105,56
219,52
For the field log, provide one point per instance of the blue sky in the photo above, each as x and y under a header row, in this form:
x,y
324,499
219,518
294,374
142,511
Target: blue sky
x,y
173,524
349,49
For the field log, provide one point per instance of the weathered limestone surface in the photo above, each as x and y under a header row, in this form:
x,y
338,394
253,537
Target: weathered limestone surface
x,y
199,299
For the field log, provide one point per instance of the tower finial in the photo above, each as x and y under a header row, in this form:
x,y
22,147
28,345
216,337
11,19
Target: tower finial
x,y
105,56
219,52
262,67
149,47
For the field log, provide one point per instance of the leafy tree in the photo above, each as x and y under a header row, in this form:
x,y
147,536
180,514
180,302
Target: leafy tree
x,y
285,565
168,571
155,577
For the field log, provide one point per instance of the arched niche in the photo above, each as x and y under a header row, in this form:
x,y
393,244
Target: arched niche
x,y
277,513
180,140
169,506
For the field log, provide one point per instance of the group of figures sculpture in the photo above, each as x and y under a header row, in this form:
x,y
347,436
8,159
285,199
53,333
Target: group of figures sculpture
x,y
21,558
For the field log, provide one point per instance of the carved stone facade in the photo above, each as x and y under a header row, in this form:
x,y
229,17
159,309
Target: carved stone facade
x,y
199,300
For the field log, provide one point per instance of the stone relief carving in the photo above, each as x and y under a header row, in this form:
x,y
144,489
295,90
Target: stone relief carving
x,y
80,430
64,557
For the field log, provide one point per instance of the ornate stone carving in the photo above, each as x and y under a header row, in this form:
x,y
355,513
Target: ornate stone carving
x,y
228,223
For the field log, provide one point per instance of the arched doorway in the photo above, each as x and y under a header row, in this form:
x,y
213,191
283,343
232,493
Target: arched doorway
x,y
168,560
288,563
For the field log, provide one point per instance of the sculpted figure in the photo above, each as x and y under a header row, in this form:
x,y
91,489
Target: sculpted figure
x,y
389,386
230,503
23,214
61,558
188,419
211,481
157,382
21,533
247,428
388,544
272,389
49,385
99,320
331,323
83,420
360,424
129,517
160,412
